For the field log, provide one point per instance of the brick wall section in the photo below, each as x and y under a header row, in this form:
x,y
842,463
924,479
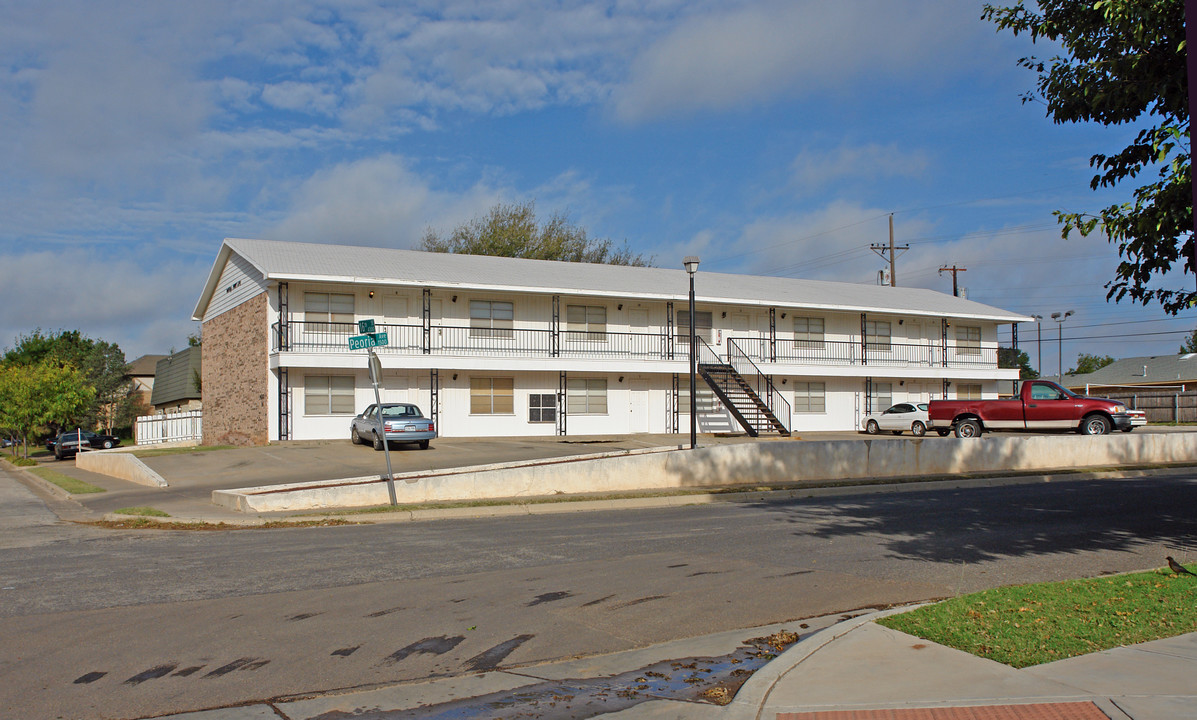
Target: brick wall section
x,y
235,373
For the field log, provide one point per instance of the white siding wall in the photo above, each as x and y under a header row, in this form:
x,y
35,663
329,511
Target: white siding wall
x,y
238,282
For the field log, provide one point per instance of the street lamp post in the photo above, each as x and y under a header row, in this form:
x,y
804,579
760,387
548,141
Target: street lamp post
x,y
691,264
1039,341
1060,318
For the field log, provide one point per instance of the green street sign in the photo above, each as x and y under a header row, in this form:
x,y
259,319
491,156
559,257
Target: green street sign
x,y
365,326
369,340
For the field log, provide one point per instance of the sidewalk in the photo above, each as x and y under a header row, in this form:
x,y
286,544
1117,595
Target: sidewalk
x,y
850,670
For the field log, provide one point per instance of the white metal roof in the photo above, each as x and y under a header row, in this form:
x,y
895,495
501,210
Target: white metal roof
x,y
296,261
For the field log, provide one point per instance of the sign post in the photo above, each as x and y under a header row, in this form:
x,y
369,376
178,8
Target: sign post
x,y
370,340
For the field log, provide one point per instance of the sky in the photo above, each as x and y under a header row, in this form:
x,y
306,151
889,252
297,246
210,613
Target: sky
x,y
772,137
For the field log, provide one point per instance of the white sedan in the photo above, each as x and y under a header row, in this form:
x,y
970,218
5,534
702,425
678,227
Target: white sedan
x,y
898,419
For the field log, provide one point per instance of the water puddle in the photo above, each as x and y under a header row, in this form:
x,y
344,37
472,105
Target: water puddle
x,y
706,680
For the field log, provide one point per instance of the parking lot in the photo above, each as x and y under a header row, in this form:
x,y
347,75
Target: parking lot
x,y
192,476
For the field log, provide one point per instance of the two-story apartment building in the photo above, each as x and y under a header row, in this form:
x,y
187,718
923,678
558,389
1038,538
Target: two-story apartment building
x,y
492,346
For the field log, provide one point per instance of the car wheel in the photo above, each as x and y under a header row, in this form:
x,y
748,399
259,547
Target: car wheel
x,y
968,429
423,444
918,429
1095,425
896,432
377,442
872,428
1127,429
107,444
943,432
354,437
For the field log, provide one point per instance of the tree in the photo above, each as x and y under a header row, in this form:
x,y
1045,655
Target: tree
x,y
1126,64
36,395
101,363
1011,358
1190,345
1086,363
513,231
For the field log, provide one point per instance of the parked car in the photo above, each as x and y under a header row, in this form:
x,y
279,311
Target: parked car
x,y
898,419
1040,405
404,423
67,444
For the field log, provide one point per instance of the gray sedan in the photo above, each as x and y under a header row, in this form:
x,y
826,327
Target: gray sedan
x,y
404,423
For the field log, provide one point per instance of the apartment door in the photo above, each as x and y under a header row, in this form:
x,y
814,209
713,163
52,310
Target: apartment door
x,y
639,406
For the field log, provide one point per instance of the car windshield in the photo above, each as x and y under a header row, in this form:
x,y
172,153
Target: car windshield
x,y
400,411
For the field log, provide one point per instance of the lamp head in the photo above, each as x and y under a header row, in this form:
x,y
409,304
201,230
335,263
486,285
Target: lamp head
x,y
1056,316
1037,317
691,263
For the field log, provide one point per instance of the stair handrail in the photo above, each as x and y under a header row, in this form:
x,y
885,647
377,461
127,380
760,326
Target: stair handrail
x,y
744,365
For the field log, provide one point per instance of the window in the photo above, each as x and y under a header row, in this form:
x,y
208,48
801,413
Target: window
x,y
586,322
586,396
328,395
542,408
491,319
968,340
702,326
320,309
877,335
808,332
810,397
968,391
881,396
492,396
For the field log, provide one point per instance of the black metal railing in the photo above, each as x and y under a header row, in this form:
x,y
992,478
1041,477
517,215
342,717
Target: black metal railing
x,y
308,336
761,383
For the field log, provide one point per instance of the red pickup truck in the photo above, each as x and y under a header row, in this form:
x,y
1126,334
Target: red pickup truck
x,y
1041,405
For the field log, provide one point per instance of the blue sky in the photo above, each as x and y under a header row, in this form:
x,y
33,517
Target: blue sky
x,y
766,136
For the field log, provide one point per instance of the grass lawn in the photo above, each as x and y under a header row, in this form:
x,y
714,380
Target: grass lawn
x,y
70,484
142,510
152,451
1028,625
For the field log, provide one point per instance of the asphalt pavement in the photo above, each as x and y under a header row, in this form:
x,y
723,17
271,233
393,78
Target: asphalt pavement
x,y
841,668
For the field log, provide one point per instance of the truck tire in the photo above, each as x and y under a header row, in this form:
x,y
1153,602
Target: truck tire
x,y
943,432
1095,425
968,428
872,428
918,429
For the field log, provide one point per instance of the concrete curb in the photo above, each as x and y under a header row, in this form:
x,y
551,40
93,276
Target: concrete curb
x,y
750,701
119,463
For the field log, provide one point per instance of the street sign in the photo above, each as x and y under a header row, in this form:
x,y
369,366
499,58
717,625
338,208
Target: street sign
x,y
375,369
369,340
365,326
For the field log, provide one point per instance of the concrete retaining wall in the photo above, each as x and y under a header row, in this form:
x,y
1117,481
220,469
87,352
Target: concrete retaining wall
x,y
748,464
121,465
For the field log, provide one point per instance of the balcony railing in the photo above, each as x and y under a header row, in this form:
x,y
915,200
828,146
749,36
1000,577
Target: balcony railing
x,y
326,337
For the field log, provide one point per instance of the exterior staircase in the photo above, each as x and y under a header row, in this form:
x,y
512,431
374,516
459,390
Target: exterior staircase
x,y
739,396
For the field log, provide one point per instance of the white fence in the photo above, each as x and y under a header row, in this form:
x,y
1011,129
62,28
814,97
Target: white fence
x,y
155,429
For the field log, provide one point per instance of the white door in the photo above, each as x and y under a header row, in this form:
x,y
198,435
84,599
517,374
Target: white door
x,y
639,406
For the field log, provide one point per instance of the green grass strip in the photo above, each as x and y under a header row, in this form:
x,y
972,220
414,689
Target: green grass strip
x,y
154,452
143,510
1028,625
70,484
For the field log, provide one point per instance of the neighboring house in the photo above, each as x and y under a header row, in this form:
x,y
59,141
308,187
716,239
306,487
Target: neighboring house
x,y
1169,372
175,388
494,346
141,374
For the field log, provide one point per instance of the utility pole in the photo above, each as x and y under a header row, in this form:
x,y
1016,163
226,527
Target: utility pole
x,y
953,270
892,250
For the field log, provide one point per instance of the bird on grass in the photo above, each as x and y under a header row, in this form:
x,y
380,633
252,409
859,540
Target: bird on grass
x,y
1178,568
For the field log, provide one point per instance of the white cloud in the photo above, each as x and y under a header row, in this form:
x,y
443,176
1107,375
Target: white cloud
x,y
144,308
376,201
813,169
301,97
777,48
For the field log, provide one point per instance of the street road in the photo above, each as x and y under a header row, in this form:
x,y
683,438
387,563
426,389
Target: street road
x,y
123,624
